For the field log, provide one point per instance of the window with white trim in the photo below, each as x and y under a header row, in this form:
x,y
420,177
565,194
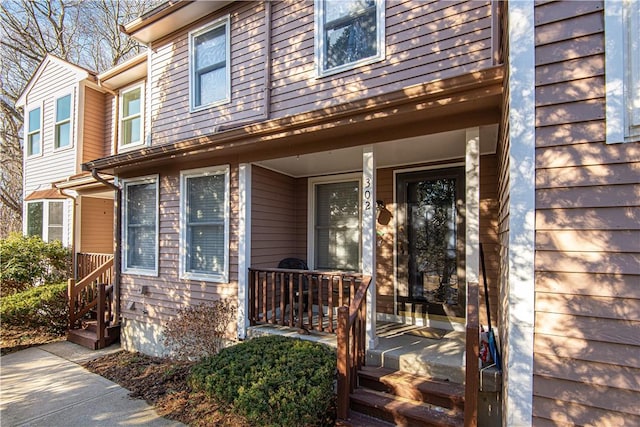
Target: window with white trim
x,y
622,55
204,231
140,228
62,132
349,33
45,218
209,53
336,223
131,117
34,132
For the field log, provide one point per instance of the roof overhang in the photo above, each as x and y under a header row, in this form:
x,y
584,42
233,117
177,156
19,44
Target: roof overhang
x,y
49,193
168,17
474,99
83,183
130,71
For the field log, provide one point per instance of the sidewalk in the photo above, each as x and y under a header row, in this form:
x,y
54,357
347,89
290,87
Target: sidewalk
x,y
45,386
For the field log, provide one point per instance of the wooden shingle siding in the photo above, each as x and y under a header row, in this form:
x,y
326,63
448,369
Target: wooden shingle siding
x,y
586,345
96,226
93,126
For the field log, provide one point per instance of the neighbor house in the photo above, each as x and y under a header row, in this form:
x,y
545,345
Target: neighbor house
x,y
368,149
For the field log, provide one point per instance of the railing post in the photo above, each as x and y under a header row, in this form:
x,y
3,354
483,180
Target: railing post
x,y
100,321
71,288
343,363
472,373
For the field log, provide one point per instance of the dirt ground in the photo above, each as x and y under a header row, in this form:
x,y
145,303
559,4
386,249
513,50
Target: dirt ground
x,y
13,338
163,383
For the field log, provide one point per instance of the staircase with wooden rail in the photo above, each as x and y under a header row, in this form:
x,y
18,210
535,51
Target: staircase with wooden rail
x,y
93,317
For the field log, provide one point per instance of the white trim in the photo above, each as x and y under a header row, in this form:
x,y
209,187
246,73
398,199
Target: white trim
x,y
223,21
44,233
148,179
222,277
311,205
519,293
124,147
40,105
368,249
244,247
472,207
319,48
70,120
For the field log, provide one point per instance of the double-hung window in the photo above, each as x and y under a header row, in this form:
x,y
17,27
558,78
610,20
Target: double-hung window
x,y
336,227
131,117
140,249
204,231
34,132
45,219
62,133
622,55
349,33
210,64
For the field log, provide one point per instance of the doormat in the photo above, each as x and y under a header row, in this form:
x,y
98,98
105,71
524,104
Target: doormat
x,y
431,333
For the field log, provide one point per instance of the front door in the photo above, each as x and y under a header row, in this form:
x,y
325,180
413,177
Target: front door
x,y
430,245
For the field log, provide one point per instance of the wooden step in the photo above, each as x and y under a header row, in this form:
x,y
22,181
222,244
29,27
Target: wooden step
x,y
428,390
356,419
404,412
83,337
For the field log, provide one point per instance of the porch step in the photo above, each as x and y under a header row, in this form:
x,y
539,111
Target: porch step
x,y
88,337
402,411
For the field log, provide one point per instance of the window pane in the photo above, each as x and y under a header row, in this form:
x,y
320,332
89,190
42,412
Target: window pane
x,y
131,131
350,32
205,249
335,9
63,108
141,204
131,103
212,86
206,198
34,144
34,120
63,137
141,218
210,48
34,219
141,250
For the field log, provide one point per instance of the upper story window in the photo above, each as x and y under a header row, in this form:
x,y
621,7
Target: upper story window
x,y
204,231
209,64
34,132
131,117
140,249
46,220
62,133
622,38
349,33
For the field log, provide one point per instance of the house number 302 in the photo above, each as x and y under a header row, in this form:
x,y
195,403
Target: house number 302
x,y
367,194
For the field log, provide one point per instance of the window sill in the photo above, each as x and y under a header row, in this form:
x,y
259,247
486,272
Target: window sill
x,y
62,149
211,105
217,278
130,147
140,272
348,67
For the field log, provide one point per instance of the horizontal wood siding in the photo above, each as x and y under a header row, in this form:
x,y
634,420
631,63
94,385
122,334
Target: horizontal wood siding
x,y
170,77
167,293
587,330
110,114
96,225
93,126
424,41
41,171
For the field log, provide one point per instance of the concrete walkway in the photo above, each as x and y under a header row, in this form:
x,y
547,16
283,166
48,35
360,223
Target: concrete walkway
x,y
45,386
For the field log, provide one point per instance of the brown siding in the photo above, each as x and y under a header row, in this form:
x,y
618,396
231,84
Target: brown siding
x,y
94,116
96,228
587,262
110,113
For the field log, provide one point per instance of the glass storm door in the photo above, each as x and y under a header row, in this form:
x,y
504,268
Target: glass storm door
x,y
431,243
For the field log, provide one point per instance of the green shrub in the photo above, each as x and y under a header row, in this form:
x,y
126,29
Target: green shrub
x,y
201,330
39,307
26,261
273,380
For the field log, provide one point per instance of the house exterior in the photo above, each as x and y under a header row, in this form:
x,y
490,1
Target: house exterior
x,y
388,140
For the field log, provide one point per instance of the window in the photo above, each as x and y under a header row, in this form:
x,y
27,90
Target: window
x,y
622,39
140,249
336,228
209,53
63,122
46,219
204,231
34,135
349,33
131,121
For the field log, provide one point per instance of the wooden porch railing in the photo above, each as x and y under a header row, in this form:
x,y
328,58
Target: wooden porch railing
x,y
86,263
472,372
94,291
301,299
352,330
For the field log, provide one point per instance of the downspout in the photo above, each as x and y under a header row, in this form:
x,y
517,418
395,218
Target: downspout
x,y
73,231
116,238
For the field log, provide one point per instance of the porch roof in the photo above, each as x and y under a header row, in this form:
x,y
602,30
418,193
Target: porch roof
x,y
474,99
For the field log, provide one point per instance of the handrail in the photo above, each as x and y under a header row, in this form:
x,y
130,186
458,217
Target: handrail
x,y
82,296
351,345
472,373
87,262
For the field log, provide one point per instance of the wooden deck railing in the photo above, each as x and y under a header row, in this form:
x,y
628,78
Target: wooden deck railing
x,y
472,372
301,299
92,292
86,263
351,350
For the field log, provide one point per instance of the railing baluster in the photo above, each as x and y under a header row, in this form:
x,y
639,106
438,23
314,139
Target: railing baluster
x,y
320,304
282,299
291,300
273,298
264,298
310,302
330,304
300,299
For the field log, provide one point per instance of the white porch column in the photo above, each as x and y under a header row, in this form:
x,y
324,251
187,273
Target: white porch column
x,y
472,218
244,247
369,238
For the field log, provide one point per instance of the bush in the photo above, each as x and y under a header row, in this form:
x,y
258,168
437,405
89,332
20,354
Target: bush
x,y
199,331
29,261
273,380
40,307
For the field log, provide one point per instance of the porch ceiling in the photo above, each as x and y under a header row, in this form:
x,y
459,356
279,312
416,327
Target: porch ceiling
x,y
419,149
